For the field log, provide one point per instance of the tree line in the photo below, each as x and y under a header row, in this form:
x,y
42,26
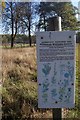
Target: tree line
x,y
28,17
19,39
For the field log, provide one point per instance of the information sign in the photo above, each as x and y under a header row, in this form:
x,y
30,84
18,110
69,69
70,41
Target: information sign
x,y
56,69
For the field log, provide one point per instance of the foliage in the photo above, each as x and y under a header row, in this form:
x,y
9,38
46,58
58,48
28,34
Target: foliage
x,y
17,18
64,9
44,10
10,18
5,38
27,17
20,17
67,12
20,39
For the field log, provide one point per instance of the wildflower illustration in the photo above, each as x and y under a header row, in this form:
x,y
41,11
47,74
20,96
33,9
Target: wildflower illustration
x,y
45,86
66,75
68,95
61,97
61,93
55,73
66,82
70,70
62,69
46,69
53,93
45,97
53,80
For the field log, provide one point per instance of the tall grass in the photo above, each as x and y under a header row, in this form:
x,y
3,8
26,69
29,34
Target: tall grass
x,y
19,93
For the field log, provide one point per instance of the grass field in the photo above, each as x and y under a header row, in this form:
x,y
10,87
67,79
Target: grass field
x,y
19,92
20,84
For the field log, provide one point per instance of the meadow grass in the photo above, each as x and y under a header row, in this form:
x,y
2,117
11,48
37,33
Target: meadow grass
x,y
19,74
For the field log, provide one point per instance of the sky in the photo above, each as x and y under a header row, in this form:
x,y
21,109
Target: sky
x,y
75,2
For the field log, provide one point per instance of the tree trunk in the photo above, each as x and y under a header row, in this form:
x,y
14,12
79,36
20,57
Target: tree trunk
x,y
44,23
12,41
29,34
12,35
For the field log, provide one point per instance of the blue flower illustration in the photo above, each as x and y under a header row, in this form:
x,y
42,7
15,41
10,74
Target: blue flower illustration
x,y
62,90
66,82
70,70
45,87
61,97
46,69
68,95
45,97
53,80
53,93
66,75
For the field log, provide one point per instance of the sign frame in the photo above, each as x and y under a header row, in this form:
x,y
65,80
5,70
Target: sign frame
x,y
47,39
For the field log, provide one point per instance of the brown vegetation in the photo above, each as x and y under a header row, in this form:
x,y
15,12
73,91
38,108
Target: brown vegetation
x,y
20,85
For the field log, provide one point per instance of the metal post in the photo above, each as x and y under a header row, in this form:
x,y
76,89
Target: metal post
x,y
54,24
57,113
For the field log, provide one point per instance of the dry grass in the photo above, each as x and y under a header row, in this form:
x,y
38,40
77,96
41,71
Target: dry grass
x,y
23,59
20,84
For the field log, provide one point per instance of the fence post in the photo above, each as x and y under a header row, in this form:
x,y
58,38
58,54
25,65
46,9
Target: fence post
x,y
54,24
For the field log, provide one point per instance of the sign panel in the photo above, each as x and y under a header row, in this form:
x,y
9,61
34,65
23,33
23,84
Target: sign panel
x,y
56,69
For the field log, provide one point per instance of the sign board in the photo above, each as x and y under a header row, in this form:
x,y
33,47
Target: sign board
x,y
56,69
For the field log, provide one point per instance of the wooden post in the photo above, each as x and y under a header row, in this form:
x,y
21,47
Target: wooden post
x,y
54,24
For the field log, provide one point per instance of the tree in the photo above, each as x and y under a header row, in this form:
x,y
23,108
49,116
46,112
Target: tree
x,y
27,17
18,17
64,9
67,12
44,10
10,19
